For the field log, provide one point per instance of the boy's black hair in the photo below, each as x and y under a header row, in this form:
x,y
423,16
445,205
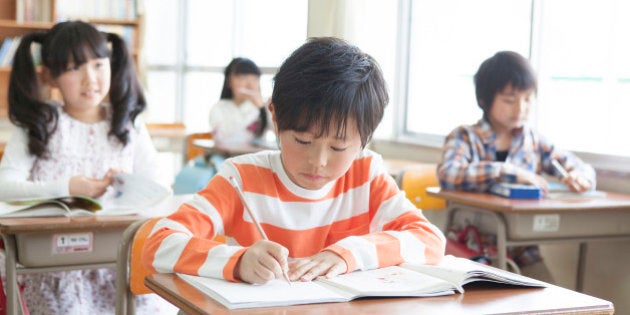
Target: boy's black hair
x,y
324,83
497,72
67,42
240,65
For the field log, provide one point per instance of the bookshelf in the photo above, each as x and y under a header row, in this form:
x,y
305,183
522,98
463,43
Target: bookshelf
x,y
19,17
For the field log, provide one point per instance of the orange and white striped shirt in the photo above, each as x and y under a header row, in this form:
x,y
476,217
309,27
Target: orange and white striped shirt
x,y
362,216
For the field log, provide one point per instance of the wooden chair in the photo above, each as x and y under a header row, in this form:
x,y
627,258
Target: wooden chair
x,y
192,151
414,182
130,273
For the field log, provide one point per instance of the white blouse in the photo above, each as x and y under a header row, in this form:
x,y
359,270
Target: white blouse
x,y
229,122
76,148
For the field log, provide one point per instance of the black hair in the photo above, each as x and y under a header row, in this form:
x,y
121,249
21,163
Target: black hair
x,y
497,72
67,42
237,66
325,82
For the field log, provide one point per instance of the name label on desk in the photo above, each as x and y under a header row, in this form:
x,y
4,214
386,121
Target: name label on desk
x,y
546,223
72,243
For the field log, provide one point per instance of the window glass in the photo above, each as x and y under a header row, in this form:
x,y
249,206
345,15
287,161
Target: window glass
x,y
213,33
201,90
161,87
271,29
448,41
584,92
161,32
210,32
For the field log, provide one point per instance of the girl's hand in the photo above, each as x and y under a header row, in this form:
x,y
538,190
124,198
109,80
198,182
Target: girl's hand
x,y
111,172
86,186
527,177
252,96
324,263
262,262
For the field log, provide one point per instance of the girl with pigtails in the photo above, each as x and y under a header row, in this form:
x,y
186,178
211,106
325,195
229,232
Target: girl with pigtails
x,y
74,147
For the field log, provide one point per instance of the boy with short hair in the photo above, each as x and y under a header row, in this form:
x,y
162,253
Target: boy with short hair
x,y
501,147
325,201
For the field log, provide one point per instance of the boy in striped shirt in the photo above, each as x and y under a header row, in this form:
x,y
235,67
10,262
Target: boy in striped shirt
x,y
325,202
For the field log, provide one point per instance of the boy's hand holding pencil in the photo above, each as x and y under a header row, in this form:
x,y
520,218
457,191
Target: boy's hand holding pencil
x,y
265,260
575,181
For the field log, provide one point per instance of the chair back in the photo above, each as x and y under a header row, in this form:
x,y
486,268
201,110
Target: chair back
x,y
129,271
192,151
414,182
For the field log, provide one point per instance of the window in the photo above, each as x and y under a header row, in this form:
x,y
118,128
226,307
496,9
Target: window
x,y
189,43
581,55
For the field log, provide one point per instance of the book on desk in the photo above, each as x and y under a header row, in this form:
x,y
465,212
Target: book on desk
x,y
556,191
131,193
405,280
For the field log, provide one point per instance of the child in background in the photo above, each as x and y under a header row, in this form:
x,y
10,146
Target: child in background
x,y
241,114
501,147
74,148
326,202
240,117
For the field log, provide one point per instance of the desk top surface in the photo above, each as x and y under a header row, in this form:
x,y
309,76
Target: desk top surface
x,y
46,224
476,300
228,148
612,201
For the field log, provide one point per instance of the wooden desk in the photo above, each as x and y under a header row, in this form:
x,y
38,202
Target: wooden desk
x,y
479,299
539,221
211,146
39,235
168,137
29,243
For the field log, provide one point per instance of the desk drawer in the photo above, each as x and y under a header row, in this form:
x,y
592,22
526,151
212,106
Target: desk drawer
x,y
68,248
569,224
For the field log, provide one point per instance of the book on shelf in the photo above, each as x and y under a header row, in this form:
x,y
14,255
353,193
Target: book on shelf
x,y
111,9
405,280
7,55
4,49
130,194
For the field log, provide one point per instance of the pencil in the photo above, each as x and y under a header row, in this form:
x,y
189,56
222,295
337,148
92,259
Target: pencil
x,y
559,168
241,195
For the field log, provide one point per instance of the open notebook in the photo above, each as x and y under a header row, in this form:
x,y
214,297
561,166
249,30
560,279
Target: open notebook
x,y
131,193
406,280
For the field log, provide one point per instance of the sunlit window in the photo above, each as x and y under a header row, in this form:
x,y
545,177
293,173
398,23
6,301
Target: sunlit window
x,y
581,55
448,41
189,43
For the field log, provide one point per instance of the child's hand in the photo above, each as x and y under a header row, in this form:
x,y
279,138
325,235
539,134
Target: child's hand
x,y
527,177
252,95
262,262
325,263
111,172
86,186
577,182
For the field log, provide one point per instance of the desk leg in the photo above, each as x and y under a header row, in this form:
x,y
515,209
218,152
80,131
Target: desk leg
x,y
11,274
501,229
581,267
